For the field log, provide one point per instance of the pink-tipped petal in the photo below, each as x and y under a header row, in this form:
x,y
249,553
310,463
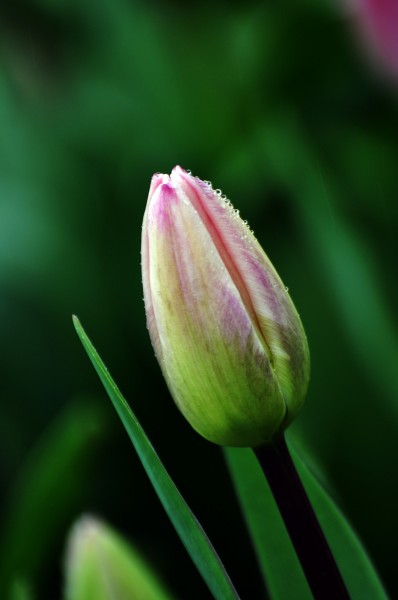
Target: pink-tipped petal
x,y
262,291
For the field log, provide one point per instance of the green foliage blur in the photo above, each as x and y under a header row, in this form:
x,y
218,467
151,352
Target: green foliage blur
x,y
277,105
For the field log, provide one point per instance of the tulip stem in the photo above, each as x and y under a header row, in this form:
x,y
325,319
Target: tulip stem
x,y
307,537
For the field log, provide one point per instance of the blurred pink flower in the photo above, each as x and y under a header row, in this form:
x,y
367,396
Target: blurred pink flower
x,y
377,23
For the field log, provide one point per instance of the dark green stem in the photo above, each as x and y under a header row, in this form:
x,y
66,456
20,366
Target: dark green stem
x,y
307,537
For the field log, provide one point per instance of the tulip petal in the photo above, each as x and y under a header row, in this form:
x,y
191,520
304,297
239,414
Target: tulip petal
x,y
265,297
225,331
203,336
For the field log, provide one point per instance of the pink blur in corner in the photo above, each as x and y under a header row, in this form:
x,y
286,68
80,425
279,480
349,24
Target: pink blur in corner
x,y
376,22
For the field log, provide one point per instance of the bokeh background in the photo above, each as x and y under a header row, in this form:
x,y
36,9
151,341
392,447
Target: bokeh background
x,y
279,105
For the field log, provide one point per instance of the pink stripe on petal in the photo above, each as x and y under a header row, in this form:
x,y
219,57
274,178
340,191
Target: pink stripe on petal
x,y
226,229
271,310
252,273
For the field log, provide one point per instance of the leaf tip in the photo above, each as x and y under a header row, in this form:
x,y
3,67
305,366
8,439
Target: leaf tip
x,y
78,326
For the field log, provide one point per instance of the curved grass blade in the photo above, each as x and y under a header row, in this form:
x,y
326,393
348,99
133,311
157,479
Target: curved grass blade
x,y
274,549
188,528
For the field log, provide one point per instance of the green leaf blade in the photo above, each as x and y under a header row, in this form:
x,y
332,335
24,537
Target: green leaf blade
x,y
275,553
274,550
188,528
352,559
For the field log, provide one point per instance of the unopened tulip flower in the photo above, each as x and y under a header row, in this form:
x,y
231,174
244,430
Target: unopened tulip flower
x,y
100,565
225,332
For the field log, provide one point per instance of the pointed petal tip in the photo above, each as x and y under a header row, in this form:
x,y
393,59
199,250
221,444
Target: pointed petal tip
x,y
157,179
164,195
175,177
177,169
178,174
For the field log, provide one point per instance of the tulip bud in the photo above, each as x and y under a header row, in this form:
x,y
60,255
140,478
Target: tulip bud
x,y
225,332
100,565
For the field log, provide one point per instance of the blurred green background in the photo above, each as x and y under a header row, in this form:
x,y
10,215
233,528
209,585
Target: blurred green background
x,y
275,103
